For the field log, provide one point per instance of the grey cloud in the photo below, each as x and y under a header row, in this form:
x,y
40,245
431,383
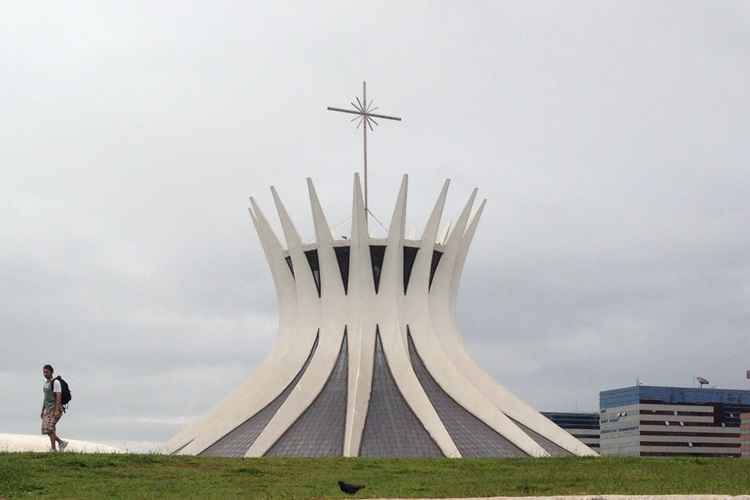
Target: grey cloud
x,y
609,139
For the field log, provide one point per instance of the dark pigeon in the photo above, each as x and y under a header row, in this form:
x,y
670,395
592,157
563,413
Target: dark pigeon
x,y
350,489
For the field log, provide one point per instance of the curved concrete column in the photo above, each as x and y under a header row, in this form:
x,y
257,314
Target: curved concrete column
x,y
420,317
390,305
274,373
505,400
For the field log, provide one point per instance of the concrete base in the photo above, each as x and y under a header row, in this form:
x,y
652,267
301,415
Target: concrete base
x,y
19,443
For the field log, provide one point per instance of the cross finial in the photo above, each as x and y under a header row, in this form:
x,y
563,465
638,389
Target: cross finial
x,y
366,119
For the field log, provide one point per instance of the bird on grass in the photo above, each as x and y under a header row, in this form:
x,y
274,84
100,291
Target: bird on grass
x,y
350,489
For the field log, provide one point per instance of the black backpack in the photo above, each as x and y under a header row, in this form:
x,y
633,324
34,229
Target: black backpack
x,y
65,396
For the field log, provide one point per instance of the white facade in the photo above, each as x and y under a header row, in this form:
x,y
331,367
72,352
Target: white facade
x,y
369,360
660,429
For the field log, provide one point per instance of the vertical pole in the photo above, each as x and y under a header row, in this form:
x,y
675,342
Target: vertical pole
x,y
364,135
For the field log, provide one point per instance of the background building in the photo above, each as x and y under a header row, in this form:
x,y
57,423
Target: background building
x,y
671,421
745,434
584,426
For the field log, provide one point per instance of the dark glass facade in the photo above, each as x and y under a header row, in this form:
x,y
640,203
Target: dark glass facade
x,y
236,442
377,256
583,426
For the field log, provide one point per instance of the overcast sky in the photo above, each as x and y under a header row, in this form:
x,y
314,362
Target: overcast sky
x,y
610,138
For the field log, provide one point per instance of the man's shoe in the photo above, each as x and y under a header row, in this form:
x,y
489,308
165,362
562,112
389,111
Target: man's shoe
x,y
63,444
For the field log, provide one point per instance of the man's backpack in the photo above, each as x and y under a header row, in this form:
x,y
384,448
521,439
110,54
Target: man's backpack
x,y
65,396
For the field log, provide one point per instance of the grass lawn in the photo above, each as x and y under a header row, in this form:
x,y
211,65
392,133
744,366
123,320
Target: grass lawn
x,y
72,475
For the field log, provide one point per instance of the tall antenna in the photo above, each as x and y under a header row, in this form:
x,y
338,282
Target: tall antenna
x,y
366,119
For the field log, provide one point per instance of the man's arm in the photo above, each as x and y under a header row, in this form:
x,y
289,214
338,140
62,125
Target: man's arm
x,y
57,391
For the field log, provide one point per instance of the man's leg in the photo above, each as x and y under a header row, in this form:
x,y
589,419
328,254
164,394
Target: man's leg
x,y
52,441
48,428
61,443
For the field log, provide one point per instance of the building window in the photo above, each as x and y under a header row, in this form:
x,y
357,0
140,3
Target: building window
x,y
312,259
289,263
410,255
377,254
342,257
436,255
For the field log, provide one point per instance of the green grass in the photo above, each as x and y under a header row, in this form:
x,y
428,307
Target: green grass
x,y
71,475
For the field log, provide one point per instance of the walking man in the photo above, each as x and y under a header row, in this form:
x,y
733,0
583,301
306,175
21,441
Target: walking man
x,y
52,408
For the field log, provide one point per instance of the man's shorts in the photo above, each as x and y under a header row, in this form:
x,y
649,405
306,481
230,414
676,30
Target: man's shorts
x,y
49,420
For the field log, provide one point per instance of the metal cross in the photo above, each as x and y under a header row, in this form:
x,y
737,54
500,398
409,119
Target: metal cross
x,y
366,119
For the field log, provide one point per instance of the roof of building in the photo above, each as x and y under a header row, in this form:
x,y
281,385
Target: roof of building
x,y
672,395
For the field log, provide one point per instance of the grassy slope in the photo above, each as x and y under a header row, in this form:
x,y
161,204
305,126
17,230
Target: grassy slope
x,y
143,476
